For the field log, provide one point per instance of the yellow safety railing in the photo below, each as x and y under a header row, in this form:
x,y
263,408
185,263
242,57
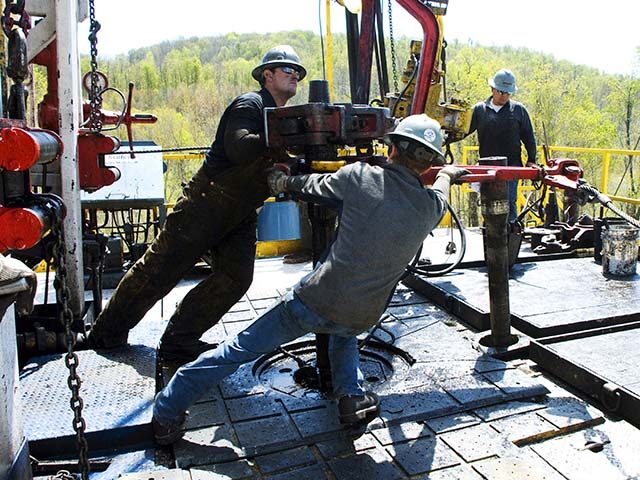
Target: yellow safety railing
x,y
469,152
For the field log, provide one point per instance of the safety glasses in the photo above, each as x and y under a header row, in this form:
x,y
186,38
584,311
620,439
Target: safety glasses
x,y
290,71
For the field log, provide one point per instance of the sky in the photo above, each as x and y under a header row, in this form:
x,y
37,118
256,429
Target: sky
x,y
586,32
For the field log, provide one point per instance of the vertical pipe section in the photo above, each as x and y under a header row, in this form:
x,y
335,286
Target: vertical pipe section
x,y
606,163
495,210
69,118
329,51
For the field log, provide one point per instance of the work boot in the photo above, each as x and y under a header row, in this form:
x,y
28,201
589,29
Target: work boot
x,y
166,433
181,353
97,342
358,408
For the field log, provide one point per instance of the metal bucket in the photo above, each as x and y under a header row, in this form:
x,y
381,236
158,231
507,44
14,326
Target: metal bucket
x,y
279,221
619,250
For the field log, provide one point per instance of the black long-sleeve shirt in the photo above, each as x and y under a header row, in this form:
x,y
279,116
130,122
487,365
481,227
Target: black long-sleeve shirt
x,y
236,161
500,133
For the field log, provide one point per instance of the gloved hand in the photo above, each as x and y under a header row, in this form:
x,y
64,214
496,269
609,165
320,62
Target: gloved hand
x,y
453,172
276,179
12,271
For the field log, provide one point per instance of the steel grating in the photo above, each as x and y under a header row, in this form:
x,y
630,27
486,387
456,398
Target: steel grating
x,y
547,298
118,388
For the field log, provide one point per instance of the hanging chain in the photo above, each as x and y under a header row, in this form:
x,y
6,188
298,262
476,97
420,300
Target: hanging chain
x,y
95,95
17,8
394,67
70,359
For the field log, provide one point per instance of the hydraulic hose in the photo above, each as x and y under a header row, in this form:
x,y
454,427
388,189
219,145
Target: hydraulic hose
x,y
413,267
594,195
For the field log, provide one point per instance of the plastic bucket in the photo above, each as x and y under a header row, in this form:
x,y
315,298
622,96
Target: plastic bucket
x,y
279,221
619,250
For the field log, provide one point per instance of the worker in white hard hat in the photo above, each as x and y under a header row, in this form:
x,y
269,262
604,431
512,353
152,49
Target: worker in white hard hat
x,y
385,215
503,125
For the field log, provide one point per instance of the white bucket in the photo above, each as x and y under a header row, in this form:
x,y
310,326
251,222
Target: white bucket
x,y
619,250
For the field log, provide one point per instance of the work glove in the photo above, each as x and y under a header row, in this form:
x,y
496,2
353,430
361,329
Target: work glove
x,y
277,180
454,173
17,278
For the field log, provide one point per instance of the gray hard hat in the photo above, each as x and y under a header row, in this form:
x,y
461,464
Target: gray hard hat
x,y
280,56
422,129
504,80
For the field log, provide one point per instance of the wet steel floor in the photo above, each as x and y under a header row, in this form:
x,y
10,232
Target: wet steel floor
x,y
454,414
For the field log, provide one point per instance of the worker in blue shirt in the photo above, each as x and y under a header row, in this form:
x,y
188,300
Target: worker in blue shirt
x,y
503,125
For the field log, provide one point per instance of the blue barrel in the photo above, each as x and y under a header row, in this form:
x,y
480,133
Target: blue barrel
x,y
279,221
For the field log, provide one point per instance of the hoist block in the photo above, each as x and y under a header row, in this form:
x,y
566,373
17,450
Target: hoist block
x,y
93,172
21,149
325,123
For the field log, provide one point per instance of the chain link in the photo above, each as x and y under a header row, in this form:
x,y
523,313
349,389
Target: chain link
x,y
70,359
15,8
95,94
394,67
164,150
63,475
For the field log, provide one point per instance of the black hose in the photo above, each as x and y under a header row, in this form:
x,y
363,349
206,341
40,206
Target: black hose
x,y
404,90
595,195
413,266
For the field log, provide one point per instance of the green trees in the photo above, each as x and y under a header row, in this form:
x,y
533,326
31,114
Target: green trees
x,y
188,83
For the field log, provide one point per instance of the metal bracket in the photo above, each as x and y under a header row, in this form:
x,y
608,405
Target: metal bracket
x,y
610,396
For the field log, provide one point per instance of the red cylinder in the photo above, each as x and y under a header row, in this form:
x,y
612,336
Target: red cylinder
x,y
21,228
21,149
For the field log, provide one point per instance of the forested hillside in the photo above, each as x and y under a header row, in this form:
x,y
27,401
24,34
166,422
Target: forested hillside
x,y
188,83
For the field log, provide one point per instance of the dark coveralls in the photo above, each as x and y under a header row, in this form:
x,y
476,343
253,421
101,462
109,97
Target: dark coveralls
x,y
217,212
500,134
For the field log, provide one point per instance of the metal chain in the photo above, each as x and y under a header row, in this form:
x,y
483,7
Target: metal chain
x,y
95,95
17,8
70,359
394,67
63,475
163,150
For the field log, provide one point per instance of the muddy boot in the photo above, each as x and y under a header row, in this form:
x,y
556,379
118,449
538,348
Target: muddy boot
x,y
183,352
358,408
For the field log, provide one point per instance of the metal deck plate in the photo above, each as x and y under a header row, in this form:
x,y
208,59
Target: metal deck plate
x,y
547,298
244,418
602,363
117,389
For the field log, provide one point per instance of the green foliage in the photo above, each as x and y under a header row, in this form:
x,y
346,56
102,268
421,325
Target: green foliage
x,y
189,82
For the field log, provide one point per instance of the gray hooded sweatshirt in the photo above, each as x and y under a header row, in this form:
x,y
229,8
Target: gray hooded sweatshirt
x,y
385,215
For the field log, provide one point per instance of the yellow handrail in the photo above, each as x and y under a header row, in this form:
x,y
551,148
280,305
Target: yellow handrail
x,y
605,153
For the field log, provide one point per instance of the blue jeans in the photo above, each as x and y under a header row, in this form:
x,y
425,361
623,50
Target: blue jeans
x,y
282,323
512,185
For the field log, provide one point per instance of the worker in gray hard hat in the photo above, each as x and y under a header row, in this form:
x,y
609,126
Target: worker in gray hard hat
x,y
385,215
503,125
216,214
